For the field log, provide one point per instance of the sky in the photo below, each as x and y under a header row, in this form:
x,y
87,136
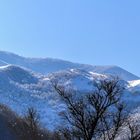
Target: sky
x,y
97,32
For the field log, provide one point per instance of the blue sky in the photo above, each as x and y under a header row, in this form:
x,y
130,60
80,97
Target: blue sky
x,y
98,32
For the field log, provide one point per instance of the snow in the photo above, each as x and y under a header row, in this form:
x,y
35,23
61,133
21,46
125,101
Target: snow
x,y
134,86
134,83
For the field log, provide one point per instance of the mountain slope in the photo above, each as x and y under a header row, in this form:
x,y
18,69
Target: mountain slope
x,y
49,65
21,88
117,71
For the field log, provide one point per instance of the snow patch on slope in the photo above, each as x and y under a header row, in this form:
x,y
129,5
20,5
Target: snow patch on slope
x,y
134,86
134,83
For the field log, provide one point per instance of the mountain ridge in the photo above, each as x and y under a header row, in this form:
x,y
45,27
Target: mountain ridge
x,y
50,65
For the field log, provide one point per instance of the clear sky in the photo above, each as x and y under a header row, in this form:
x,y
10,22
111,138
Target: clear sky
x,y
98,32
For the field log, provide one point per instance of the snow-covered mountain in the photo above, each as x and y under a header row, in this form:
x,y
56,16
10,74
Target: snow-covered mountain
x,y
21,88
49,65
27,82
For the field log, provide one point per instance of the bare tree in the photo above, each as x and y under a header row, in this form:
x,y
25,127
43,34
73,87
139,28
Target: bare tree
x,y
95,115
112,123
133,128
32,123
28,127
